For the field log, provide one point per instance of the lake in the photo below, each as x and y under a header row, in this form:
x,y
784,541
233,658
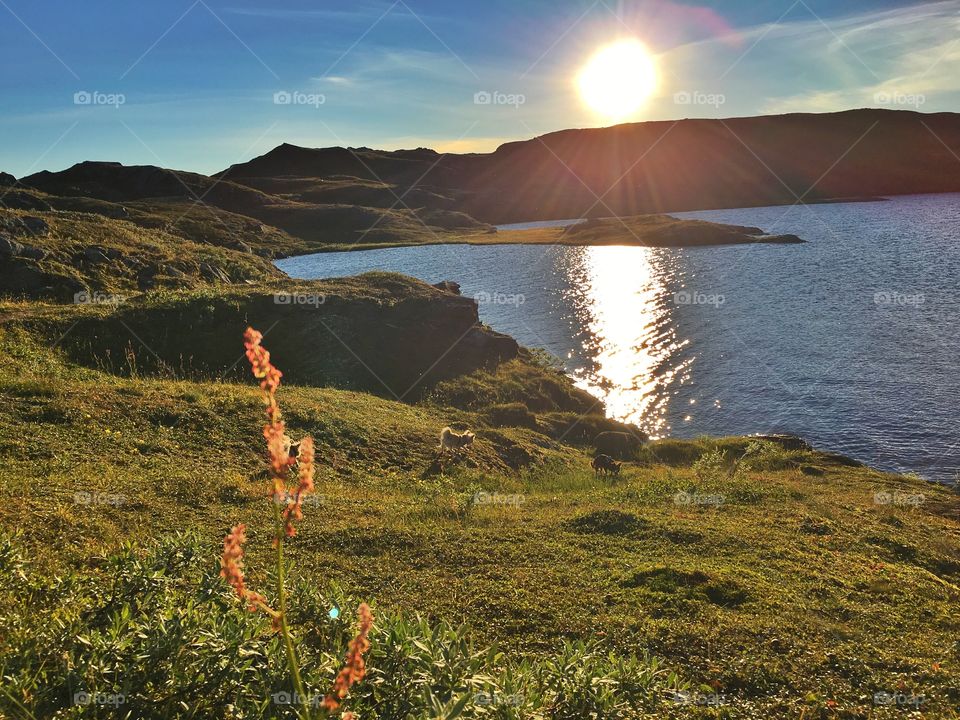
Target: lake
x,y
850,341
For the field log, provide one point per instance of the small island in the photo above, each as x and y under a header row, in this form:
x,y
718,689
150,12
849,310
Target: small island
x,y
644,230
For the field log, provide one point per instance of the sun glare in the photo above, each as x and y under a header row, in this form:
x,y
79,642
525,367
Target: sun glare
x,y
618,79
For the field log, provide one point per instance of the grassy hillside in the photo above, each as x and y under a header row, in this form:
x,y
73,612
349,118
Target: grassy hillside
x,y
316,213
773,583
58,253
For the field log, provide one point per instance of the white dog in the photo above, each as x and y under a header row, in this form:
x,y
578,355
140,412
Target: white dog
x,y
450,439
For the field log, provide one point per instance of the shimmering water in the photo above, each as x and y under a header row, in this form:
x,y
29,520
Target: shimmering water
x,y
851,340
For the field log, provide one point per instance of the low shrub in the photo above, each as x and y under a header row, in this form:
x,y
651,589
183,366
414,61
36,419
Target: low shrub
x,y
538,388
579,429
156,633
510,415
675,453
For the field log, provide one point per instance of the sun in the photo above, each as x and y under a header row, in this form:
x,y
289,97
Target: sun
x,y
618,79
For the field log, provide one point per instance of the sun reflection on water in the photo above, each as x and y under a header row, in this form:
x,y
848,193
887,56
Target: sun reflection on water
x,y
620,296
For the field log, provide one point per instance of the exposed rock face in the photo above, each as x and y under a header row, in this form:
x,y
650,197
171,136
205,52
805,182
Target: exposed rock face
x,y
448,286
394,336
26,225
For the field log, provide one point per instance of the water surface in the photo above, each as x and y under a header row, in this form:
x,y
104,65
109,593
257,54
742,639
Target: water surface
x,y
850,340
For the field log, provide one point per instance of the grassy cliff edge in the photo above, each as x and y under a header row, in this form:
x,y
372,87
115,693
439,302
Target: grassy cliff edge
x,y
772,582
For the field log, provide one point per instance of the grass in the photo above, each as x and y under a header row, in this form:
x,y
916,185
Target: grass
x,y
779,587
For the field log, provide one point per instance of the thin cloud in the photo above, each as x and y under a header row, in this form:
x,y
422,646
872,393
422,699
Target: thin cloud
x,y
803,64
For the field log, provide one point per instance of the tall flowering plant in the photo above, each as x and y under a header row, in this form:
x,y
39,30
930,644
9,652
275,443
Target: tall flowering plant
x,y
287,506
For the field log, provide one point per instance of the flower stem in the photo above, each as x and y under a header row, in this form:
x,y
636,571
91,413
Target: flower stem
x,y
284,628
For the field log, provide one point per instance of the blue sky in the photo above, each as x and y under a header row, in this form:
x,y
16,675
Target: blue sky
x,y
193,84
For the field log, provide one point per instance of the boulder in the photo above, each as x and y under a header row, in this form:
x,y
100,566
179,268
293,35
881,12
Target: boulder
x,y
96,255
35,225
172,271
619,445
9,248
33,253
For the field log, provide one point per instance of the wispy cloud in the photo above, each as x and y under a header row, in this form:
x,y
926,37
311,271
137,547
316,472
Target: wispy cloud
x,y
805,63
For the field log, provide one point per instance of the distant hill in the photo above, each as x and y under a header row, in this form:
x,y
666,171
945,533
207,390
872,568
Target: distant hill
x,y
318,212
293,199
660,166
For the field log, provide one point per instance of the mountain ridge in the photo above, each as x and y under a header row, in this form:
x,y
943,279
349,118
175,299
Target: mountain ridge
x,y
339,196
667,165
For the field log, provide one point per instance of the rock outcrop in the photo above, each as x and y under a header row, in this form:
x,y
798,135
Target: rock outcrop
x,y
380,332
